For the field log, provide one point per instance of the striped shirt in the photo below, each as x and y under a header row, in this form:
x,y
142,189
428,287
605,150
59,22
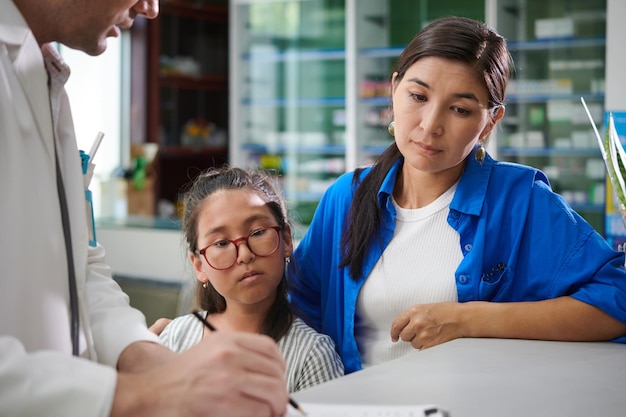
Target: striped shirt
x,y
310,356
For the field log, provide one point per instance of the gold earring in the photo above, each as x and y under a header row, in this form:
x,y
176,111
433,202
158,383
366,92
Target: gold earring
x,y
392,128
480,153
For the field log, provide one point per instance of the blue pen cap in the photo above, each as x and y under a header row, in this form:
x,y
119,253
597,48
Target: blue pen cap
x,y
84,158
91,225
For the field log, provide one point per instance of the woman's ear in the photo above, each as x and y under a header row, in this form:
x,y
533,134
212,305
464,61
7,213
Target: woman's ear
x,y
498,113
394,85
495,116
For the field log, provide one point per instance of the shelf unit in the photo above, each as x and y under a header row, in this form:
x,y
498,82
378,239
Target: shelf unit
x,y
298,73
288,95
558,48
310,88
187,91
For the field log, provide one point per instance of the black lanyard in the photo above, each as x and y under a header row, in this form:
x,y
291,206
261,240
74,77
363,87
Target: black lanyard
x,y
65,218
53,69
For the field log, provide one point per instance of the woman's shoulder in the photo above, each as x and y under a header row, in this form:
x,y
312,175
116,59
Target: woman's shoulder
x,y
345,180
351,178
511,170
344,186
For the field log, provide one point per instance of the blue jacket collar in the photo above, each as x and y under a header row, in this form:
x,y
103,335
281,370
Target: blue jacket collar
x,y
472,189
470,193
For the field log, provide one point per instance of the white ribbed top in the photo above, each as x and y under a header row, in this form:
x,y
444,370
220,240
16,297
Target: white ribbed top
x,y
417,267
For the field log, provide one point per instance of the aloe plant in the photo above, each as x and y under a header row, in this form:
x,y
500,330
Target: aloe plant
x,y
617,158
614,157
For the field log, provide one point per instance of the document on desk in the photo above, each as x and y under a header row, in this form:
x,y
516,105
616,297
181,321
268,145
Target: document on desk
x,y
348,410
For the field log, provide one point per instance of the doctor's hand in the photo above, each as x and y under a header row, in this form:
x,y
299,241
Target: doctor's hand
x,y
227,374
427,325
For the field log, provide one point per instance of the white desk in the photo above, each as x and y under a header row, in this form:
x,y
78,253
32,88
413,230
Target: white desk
x,y
493,377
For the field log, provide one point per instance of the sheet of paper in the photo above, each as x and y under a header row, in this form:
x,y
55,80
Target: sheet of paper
x,y
348,410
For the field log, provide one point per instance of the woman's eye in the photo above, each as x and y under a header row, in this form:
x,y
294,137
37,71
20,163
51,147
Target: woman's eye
x,y
461,110
257,233
418,97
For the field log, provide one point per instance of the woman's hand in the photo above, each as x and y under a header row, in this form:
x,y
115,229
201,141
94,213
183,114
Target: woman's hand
x,y
562,318
427,325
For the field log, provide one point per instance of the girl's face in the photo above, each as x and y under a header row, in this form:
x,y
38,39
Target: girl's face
x,y
252,280
440,111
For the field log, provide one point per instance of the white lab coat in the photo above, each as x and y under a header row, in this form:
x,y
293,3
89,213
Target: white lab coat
x,y
38,374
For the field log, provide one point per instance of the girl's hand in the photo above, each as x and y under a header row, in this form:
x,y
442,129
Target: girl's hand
x,y
159,325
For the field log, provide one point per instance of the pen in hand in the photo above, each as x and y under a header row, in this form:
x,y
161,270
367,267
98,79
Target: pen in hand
x,y
212,328
204,321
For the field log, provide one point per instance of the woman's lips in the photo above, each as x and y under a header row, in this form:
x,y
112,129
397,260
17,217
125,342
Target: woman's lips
x,y
427,149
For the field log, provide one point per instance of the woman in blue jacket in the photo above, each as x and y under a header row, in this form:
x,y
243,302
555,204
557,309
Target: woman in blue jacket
x,y
437,240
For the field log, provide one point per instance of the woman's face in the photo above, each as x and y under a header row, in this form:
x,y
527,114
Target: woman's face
x,y
440,110
252,280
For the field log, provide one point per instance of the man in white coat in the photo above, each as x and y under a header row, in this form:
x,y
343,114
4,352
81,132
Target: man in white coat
x,y
89,354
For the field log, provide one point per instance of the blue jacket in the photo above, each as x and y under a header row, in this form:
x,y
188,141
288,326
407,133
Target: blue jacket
x,y
520,242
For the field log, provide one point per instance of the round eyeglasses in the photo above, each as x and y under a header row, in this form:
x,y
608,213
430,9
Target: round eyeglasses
x,y
223,253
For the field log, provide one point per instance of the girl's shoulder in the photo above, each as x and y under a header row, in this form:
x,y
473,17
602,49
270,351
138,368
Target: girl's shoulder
x,y
185,321
299,325
302,332
182,333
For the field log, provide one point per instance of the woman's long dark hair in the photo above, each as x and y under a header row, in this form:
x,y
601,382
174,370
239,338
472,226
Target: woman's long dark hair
x,y
279,317
454,38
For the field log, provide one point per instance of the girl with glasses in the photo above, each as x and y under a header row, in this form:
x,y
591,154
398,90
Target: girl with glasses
x,y
235,224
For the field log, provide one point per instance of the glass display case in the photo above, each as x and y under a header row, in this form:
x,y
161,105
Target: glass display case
x,y
288,94
309,85
558,48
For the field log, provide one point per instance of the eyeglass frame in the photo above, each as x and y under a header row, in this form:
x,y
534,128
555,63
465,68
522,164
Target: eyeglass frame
x,y
236,242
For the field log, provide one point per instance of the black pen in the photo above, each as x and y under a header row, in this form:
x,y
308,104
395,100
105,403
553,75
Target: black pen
x,y
212,328
437,411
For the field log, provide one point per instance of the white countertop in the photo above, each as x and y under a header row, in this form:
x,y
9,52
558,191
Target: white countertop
x,y
493,377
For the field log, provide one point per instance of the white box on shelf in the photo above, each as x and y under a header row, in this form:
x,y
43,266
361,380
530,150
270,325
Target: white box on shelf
x,y
562,143
560,27
559,110
582,139
516,140
595,168
552,171
535,139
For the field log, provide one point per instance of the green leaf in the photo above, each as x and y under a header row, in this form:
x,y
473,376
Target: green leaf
x,y
615,161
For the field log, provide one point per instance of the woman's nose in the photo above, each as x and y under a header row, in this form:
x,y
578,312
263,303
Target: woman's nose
x,y
431,120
